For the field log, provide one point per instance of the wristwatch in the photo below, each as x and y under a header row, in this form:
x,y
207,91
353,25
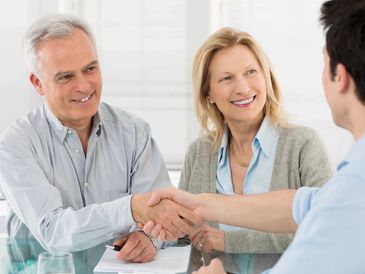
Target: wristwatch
x,y
154,240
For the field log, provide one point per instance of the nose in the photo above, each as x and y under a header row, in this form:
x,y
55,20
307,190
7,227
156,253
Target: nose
x,y
242,86
83,84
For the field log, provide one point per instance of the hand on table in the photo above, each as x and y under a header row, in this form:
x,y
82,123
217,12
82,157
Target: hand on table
x,y
137,248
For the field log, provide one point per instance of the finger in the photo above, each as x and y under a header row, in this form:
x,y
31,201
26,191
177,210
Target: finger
x,y
172,223
194,233
162,235
156,230
216,264
208,246
170,236
148,227
128,247
180,227
136,255
121,241
198,239
192,217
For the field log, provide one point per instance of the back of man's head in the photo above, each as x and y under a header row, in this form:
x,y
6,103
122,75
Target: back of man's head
x,y
52,26
344,21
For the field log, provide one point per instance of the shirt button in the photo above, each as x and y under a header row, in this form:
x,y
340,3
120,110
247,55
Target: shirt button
x,y
86,184
77,151
69,131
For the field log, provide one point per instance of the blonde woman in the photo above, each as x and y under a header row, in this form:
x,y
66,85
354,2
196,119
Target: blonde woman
x,y
246,146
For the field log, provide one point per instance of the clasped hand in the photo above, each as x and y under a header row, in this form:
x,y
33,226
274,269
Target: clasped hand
x,y
173,219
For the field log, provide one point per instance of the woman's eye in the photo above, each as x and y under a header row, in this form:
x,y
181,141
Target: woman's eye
x,y
225,78
251,71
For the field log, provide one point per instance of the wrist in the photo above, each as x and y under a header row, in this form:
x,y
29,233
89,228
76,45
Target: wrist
x,y
154,240
202,206
138,208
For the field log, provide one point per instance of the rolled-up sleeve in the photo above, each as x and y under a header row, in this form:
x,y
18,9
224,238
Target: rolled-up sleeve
x,y
302,202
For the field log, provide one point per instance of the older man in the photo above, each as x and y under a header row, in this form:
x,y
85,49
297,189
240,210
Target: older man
x,y
69,167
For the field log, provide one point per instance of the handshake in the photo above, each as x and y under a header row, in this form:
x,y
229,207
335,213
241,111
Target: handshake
x,y
168,213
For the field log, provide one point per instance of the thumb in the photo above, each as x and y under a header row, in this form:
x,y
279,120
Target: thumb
x,y
159,195
154,199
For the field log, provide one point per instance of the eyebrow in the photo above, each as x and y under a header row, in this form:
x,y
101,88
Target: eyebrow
x,y
246,67
61,73
95,62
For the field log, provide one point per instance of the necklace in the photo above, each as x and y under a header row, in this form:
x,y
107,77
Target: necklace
x,y
238,161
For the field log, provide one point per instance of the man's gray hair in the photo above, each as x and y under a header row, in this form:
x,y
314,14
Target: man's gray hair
x,y
52,26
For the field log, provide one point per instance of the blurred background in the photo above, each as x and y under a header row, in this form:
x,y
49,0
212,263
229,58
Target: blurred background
x,y
146,49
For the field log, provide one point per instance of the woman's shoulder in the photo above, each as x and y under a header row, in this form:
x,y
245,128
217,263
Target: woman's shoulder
x,y
200,145
297,133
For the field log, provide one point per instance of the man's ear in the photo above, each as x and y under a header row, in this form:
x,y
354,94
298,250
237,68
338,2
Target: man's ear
x,y
36,83
342,78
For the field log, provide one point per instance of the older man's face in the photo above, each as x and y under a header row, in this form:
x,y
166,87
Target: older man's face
x,y
70,78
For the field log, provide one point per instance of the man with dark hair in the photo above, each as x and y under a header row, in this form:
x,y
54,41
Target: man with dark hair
x,y
328,222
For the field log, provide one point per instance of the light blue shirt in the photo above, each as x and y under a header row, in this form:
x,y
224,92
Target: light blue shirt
x,y
69,201
330,237
258,175
257,179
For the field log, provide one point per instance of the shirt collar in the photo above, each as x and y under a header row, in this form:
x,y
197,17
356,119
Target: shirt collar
x,y
264,140
62,131
222,153
355,155
266,136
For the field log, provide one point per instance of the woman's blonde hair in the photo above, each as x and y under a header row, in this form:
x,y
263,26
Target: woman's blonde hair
x,y
210,118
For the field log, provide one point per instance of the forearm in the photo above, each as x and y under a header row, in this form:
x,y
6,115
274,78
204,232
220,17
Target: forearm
x,y
269,212
73,230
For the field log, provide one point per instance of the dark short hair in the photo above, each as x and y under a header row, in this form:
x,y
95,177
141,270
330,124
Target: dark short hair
x,y
344,23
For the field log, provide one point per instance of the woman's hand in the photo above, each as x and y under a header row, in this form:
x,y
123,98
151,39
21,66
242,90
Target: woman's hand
x,y
215,267
208,239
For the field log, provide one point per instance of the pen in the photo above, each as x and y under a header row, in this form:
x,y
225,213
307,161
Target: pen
x,y
114,247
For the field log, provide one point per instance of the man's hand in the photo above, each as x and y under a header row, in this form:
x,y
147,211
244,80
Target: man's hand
x,y
137,248
175,220
181,197
215,267
208,239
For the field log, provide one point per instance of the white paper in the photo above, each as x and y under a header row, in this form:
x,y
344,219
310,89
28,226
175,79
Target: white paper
x,y
169,260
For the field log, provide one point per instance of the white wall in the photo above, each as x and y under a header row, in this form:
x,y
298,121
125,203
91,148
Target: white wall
x,y
146,49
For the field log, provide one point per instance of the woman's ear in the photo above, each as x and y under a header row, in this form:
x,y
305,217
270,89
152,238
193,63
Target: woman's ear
x,y
210,100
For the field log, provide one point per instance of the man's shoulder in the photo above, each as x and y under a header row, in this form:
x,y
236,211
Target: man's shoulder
x,y
34,122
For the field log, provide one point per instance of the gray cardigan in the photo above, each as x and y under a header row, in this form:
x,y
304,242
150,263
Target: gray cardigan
x,y
301,160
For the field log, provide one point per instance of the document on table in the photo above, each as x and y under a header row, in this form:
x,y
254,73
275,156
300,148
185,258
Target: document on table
x,y
169,260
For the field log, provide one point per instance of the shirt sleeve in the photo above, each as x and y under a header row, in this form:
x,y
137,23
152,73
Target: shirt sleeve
x,y
40,208
329,237
148,168
39,205
302,203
